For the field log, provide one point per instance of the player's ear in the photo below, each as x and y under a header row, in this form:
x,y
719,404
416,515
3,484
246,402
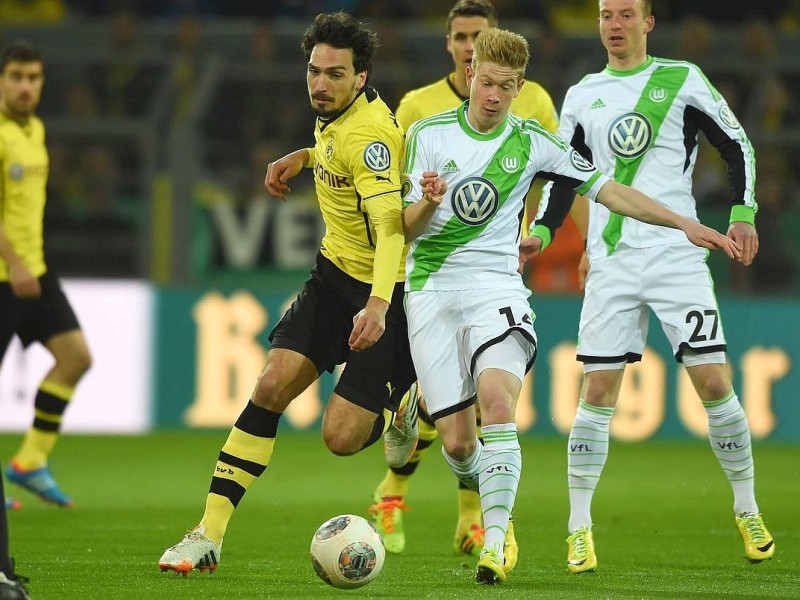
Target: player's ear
x,y
470,75
649,23
361,80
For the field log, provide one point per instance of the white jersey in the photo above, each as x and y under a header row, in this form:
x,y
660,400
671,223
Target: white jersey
x,y
472,241
642,125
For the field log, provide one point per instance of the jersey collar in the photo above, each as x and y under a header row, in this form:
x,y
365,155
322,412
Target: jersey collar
x,y
628,72
472,132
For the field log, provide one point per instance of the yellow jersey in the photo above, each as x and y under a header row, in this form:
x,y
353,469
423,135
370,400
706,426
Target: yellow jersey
x,y
24,163
533,101
356,162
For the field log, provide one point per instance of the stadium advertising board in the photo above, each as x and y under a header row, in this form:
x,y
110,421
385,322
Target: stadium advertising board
x,y
212,345
115,396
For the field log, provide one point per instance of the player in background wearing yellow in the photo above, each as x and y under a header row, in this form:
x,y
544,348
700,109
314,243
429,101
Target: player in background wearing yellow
x,y
32,303
465,21
350,309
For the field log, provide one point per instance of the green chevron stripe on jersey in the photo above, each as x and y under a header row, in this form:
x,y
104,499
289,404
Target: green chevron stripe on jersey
x,y
431,252
671,80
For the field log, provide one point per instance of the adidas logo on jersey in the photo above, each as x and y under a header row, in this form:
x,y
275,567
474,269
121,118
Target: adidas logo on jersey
x,y
597,104
450,167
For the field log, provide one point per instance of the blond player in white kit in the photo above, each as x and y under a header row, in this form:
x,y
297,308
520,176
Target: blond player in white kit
x,y
470,324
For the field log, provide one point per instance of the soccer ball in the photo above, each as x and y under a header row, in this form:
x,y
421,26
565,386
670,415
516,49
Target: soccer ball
x,y
347,552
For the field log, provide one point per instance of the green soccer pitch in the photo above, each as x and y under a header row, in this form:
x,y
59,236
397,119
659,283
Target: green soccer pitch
x,y
663,510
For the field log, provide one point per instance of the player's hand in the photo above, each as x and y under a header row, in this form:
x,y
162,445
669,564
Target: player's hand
x,y
23,283
433,187
746,236
369,324
282,170
583,270
529,248
705,237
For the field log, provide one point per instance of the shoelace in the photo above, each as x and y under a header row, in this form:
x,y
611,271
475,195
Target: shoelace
x,y
386,508
579,546
475,538
754,527
493,554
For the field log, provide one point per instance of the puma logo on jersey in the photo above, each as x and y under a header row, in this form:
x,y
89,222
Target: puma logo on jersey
x,y
382,178
597,104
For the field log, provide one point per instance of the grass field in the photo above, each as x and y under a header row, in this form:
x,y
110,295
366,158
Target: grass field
x,y
664,526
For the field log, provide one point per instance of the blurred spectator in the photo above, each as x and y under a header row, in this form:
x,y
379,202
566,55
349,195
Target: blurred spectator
x,y
32,12
695,41
85,184
80,102
774,106
117,77
186,64
760,50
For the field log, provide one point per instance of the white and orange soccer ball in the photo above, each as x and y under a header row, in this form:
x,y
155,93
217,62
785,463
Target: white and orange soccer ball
x,y
347,552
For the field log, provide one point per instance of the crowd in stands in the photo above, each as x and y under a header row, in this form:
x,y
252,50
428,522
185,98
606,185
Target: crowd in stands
x,y
167,64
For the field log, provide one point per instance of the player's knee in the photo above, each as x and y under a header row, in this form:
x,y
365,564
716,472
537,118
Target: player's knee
x,y
340,442
75,364
459,447
713,388
269,392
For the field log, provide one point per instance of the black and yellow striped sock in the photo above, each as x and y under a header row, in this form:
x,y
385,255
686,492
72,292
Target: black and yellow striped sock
x,y
49,406
243,458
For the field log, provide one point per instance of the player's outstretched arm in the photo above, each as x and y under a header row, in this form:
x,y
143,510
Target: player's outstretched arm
x,y
630,202
282,170
418,215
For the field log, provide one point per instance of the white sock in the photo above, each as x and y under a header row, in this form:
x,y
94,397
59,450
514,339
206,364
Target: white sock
x,y
729,435
587,451
499,478
467,471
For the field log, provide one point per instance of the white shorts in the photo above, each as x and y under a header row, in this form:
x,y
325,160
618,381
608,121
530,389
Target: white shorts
x,y
449,330
673,281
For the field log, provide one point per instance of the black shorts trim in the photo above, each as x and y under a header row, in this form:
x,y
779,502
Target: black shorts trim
x,y
454,409
703,350
499,339
630,357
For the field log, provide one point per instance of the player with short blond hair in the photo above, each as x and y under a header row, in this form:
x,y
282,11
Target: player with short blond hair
x,y
462,278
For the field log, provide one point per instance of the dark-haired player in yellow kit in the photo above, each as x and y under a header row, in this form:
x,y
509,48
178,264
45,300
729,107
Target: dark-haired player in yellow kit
x,y
32,303
465,21
350,309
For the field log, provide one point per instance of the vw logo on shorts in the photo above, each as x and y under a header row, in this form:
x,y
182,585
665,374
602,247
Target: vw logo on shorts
x,y
630,135
475,200
377,157
726,116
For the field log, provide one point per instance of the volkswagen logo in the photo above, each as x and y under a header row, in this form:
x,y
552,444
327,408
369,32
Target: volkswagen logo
x,y
580,162
630,135
475,200
726,116
377,157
